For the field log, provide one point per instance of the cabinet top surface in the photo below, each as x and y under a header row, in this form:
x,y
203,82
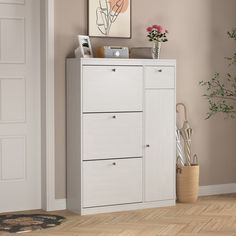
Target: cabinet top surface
x,y
121,61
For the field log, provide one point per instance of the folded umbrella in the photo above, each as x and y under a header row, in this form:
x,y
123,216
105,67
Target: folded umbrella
x,y
186,133
179,148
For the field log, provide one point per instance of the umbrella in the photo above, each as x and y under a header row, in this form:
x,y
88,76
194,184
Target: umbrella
x,y
179,148
186,133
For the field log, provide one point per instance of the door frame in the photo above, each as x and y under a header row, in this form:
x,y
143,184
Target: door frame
x,y
49,201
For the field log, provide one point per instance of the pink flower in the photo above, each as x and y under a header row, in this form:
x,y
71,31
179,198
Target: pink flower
x,y
157,33
155,27
149,29
160,29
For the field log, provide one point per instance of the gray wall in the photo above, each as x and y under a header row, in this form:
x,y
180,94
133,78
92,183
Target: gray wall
x,y
198,42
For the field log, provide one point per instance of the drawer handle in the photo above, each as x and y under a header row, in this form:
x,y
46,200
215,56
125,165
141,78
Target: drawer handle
x,y
113,117
114,163
114,70
148,145
160,70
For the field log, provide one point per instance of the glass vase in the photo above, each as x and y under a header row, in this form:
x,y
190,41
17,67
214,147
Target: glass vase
x,y
156,49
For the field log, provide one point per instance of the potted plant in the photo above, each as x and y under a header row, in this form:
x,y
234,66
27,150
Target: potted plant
x,y
157,34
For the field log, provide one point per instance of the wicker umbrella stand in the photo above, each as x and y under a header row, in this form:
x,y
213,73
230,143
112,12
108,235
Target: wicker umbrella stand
x,y
187,174
187,184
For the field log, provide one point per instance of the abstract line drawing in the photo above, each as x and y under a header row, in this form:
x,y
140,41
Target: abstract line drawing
x,y
107,12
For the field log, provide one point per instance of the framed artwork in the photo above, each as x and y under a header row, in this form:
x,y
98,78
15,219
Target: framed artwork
x,y
109,18
85,46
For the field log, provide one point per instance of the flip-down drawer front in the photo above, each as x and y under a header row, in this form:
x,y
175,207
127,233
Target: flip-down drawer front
x,y
159,77
112,182
112,135
112,88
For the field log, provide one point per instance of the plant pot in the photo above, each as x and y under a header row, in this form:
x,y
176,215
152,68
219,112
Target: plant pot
x,y
187,184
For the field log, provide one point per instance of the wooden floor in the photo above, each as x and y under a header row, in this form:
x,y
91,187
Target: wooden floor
x,y
214,215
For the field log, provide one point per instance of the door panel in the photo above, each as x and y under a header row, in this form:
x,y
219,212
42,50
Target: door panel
x,y
13,99
123,90
12,1
13,151
20,153
112,135
112,182
159,77
160,138
12,29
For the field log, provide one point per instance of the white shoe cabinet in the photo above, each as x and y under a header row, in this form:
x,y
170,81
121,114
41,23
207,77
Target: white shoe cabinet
x,y
120,134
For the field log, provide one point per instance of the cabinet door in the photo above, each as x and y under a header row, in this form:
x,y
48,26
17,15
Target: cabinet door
x,y
112,182
160,145
112,88
159,77
112,135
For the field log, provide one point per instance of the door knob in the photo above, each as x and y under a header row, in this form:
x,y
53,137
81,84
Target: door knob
x,y
148,145
114,70
113,117
114,164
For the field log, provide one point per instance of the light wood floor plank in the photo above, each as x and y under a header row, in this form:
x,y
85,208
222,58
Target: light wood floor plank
x,y
210,216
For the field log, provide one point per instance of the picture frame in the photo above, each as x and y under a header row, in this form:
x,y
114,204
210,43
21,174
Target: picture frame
x,y
110,18
85,46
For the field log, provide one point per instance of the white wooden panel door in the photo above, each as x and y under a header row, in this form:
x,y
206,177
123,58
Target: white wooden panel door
x,y
112,135
160,145
112,88
20,165
112,182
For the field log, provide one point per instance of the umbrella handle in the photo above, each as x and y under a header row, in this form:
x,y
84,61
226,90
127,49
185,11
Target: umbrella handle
x,y
185,109
195,160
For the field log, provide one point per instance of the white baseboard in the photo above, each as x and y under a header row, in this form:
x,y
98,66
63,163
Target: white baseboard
x,y
217,189
60,204
127,207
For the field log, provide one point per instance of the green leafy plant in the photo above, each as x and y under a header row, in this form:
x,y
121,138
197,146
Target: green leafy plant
x,y
221,91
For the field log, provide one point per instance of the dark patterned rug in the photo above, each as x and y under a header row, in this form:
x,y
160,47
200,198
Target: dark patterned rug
x,y
28,223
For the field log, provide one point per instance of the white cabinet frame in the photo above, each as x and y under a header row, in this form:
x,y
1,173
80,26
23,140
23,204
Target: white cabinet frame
x,y
75,175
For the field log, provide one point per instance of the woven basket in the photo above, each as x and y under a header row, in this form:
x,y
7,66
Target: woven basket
x,y
187,184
